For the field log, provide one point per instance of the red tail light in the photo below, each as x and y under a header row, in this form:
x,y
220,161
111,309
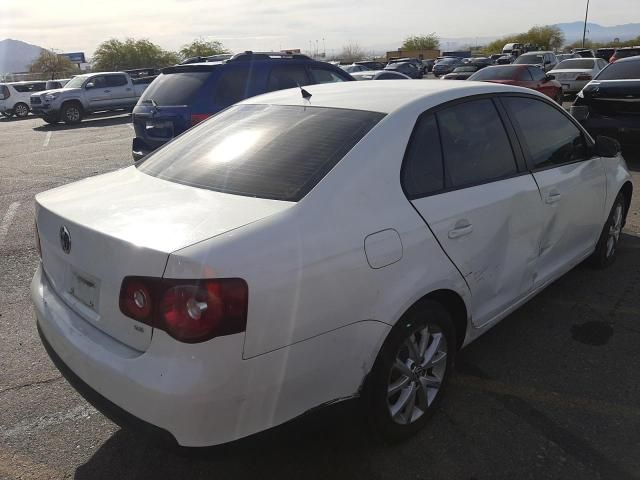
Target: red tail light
x,y
198,117
584,76
612,59
191,311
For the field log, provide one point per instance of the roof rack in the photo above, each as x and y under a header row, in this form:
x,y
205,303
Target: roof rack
x,y
252,56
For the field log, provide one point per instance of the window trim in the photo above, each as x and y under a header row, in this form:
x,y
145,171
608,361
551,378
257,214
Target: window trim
x,y
521,168
520,136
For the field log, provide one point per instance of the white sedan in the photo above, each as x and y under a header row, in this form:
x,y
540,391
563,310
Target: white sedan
x,y
575,73
297,250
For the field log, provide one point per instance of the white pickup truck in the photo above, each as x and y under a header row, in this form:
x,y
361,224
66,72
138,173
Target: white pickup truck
x,y
89,93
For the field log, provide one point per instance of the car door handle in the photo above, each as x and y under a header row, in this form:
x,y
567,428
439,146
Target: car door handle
x,y
553,197
107,91
461,230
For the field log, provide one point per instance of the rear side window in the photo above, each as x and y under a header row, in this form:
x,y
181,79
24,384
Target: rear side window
x,y
177,88
287,76
267,151
30,87
323,75
549,137
422,172
116,80
232,87
475,145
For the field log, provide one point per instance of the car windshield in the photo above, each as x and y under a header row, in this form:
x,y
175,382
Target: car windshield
x,y
620,71
529,59
266,151
496,73
446,61
576,63
76,82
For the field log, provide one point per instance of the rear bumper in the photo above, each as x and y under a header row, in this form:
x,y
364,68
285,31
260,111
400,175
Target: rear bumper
x,y
171,389
625,129
572,86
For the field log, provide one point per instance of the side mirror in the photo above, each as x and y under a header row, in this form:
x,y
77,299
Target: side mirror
x,y
90,85
607,147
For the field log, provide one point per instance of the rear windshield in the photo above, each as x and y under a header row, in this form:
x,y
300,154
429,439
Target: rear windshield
x,y
576,63
620,71
177,88
446,61
267,151
498,73
529,59
627,52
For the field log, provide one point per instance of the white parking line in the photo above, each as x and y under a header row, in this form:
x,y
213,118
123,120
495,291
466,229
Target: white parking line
x,y
7,219
27,427
131,126
46,139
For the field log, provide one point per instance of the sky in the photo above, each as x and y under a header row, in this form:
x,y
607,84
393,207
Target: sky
x,y
79,25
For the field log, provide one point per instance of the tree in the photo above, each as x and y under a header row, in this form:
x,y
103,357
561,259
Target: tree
x,y
352,52
115,54
202,48
422,42
52,64
544,37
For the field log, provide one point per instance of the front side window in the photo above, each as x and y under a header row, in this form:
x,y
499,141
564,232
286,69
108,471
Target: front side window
x,y
287,76
99,82
549,136
267,151
422,171
475,145
323,75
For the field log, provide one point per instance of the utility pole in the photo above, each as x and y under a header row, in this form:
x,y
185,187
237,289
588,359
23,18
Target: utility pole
x,y
584,32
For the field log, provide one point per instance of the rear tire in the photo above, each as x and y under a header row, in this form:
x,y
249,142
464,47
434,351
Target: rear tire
x,y
606,248
412,369
71,113
21,110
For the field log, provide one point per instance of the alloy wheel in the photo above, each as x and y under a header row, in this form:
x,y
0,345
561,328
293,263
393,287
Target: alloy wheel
x,y
417,374
21,110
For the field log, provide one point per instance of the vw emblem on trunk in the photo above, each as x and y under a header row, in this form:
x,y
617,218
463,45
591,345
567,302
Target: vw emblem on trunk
x,y
65,239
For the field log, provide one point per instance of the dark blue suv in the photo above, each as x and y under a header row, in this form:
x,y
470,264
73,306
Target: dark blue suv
x,y
184,95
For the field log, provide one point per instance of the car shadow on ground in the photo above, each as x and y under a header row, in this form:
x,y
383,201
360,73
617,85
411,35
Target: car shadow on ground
x,y
4,119
92,121
459,441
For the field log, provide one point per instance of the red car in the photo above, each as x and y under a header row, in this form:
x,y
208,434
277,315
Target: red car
x,y
523,76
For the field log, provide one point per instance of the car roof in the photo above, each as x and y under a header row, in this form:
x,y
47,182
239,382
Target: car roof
x,y
635,58
385,97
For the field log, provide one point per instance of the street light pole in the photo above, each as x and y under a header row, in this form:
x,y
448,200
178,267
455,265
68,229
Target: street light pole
x,y
584,32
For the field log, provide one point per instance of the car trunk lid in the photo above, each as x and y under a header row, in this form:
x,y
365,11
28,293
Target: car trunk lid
x,y
98,231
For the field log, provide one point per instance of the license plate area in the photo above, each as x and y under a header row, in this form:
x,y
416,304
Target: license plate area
x,y
85,289
565,87
159,128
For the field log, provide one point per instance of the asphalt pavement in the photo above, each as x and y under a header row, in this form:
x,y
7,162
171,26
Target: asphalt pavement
x,y
551,392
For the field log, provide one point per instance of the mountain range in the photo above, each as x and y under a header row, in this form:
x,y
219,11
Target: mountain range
x,y
16,56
